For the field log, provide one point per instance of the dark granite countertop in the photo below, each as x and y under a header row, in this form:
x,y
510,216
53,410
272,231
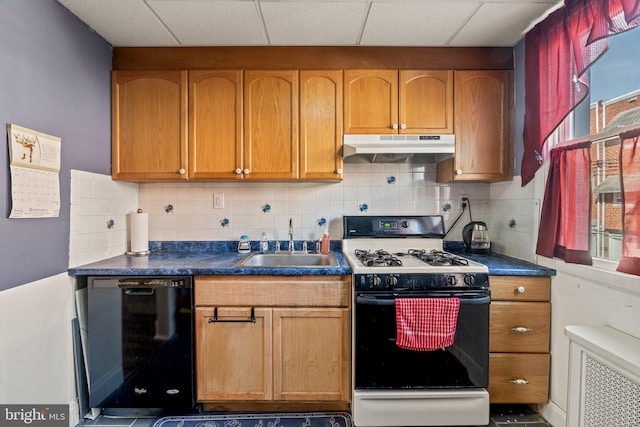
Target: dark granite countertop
x,y
192,258
501,265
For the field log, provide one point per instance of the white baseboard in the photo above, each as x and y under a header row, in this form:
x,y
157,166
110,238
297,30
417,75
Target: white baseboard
x,y
74,414
555,415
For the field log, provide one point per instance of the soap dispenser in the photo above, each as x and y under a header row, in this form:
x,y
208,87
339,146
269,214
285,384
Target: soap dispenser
x,y
325,243
264,243
244,246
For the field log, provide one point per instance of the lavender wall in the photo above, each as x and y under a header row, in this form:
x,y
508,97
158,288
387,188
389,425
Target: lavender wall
x,y
54,78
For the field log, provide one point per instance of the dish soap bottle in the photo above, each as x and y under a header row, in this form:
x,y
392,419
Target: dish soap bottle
x,y
325,243
244,246
264,243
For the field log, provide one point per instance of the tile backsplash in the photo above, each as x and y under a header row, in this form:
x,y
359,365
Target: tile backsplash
x,y
512,218
98,216
185,211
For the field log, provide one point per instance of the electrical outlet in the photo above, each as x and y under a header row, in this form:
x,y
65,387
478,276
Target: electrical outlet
x,y
461,197
218,201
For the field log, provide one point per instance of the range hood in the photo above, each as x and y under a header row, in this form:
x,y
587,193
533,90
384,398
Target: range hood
x,y
429,148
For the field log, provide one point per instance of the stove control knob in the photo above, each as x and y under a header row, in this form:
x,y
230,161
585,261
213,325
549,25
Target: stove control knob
x,y
374,281
469,279
391,281
452,280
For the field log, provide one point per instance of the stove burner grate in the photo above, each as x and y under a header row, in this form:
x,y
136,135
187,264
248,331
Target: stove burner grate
x,y
437,258
378,258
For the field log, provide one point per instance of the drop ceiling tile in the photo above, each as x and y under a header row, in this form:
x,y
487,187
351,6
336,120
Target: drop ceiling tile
x,y
121,22
212,23
324,23
311,22
500,24
415,23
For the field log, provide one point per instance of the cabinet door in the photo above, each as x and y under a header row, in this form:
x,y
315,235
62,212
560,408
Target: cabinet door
x,y
311,354
149,125
271,124
233,358
215,124
321,124
483,128
370,101
426,101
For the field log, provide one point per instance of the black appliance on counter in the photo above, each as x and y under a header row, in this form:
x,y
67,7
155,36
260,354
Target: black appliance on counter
x,y
475,236
140,345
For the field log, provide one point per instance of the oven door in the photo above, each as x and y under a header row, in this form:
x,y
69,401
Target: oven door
x,y
381,365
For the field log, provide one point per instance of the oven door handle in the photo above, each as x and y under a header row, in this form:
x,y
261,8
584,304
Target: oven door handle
x,y
392,301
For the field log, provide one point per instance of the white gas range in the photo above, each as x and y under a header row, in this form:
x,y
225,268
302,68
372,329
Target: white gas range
x,y
402,252
395,257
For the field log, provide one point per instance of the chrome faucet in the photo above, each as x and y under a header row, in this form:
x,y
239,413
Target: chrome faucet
x,y
291,248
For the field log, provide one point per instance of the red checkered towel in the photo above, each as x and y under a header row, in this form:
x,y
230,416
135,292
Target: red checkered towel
x,y
426,324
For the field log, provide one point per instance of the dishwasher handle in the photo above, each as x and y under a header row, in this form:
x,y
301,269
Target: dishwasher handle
x,y
139,291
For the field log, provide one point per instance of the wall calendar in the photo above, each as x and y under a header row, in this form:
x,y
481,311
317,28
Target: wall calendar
x,y
35,173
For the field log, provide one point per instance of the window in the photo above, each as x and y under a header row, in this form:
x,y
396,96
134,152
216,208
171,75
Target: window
x,y
614,89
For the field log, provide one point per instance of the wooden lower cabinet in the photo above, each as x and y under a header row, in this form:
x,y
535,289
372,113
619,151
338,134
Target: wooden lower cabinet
x,y
519,339
309,354
273,339
519,377
233,357
520,327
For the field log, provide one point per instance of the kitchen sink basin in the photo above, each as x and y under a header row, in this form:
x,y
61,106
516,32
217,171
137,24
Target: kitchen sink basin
x,y
287,259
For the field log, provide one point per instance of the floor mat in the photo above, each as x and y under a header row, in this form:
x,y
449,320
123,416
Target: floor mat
x,y
338,419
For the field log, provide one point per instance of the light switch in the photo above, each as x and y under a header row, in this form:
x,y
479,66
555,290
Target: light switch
x,y
218,201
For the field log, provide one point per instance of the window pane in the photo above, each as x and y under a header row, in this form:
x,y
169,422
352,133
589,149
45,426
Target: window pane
x,y
614,89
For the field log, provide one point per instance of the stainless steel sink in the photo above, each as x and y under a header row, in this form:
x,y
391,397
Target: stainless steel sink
x,y
287,259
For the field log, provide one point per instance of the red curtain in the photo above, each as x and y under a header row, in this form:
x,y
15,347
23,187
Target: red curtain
x,y
558,51
630,173
566,215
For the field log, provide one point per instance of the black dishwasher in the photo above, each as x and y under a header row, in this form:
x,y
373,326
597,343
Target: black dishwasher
x,y
140,345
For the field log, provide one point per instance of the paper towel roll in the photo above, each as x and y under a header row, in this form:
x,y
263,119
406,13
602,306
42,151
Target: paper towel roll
x,y
139,232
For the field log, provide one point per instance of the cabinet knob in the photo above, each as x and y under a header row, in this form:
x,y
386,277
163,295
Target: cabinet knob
x,y
519,381
339,171
182,171
521,289
403,126
394,126
458,171
246,171
520,329
238,171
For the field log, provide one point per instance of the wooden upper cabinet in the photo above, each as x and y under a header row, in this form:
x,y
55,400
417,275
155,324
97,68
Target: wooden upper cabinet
x,y
271,124
483,128
426,101
149,125
321,124
215,124
370,101
405,101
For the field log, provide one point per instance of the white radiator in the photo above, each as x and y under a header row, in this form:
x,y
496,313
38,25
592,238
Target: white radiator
x,y
604,378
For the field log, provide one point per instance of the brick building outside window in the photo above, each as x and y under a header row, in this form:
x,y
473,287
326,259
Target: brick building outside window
x,y
606,206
